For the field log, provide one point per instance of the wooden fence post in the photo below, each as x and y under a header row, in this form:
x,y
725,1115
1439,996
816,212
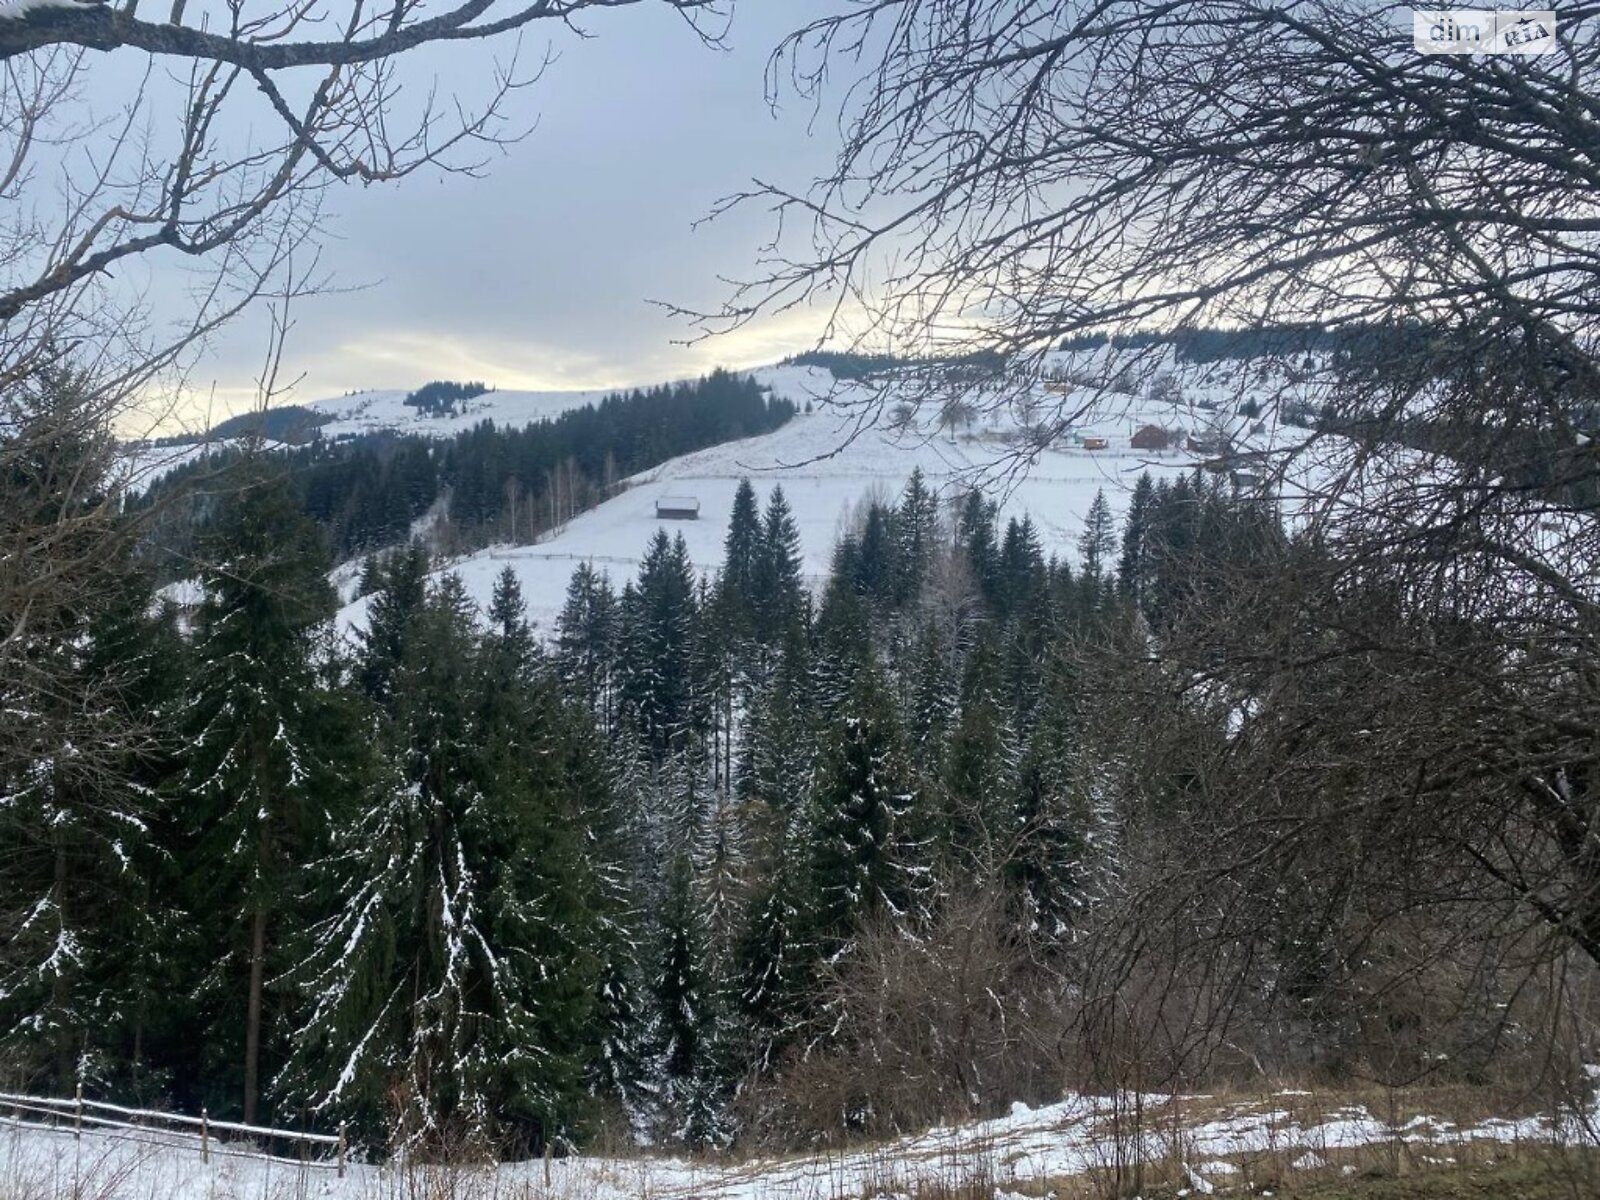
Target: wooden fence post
x,y
77,1111
342,1143
205,1135
547,1164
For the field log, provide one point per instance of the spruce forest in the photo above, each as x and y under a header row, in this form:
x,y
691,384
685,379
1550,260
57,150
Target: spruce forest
x,y
1097,699
454,885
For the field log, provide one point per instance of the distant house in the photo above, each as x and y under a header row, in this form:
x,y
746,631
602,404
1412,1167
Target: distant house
x,y
1152,437
677,508
1204,444
1093,441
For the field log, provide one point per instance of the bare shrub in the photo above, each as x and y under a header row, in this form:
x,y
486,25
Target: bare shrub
x,y
958,1021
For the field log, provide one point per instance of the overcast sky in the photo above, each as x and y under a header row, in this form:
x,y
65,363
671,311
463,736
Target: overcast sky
x,y
540,274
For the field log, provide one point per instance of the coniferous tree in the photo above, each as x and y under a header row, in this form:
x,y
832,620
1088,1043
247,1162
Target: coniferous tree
x,y
1098,539
1022,568
258,774
1134,567
917,529
844,643
743,551
508,619
980,768
870,851
657,647
933,698
779,745
777,575
878,558
586,642
402,587
975,530
1050,834
691,1089
456,978
84,970
778,947
139,1018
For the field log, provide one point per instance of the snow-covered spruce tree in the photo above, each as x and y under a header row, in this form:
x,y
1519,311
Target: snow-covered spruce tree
x,y
917,531
692,1060
844,643
872,566
603,786
743,551
141,933
779,746
870,854
978,541
401,585
777,595
933,699
551,901
1022,567
1051,833
721,855
84,969
778,948
59,736
258,771
714,662
1031,644
980,766
450,994
657,647
586,643
1098,539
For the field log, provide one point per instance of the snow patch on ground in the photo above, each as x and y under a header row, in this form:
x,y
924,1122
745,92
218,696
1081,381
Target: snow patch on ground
x,y
1026,1147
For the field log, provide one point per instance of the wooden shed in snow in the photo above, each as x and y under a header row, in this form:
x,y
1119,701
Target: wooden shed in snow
x,y
677,508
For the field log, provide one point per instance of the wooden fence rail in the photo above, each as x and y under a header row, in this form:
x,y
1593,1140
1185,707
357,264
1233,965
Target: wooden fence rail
x,y
225,1138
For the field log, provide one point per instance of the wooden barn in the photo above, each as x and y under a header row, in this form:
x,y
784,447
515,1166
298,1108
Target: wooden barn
x,y
1153,437
677,508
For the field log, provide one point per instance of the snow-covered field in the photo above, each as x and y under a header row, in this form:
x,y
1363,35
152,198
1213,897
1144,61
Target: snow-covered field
x,y
379,411
828,462
1212,1145
830,459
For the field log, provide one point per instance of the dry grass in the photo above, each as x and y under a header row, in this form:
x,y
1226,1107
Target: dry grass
x,y
1507,1173
1153,1153
1154,1149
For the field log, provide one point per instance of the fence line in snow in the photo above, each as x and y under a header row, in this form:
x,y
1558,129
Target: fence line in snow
x,y
171,1129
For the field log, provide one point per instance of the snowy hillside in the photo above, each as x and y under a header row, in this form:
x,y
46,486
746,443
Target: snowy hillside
x,y
827,464
370,412
143,463
387,411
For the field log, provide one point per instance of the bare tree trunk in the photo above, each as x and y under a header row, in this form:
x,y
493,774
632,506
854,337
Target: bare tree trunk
x,y
252,1018
64,1035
